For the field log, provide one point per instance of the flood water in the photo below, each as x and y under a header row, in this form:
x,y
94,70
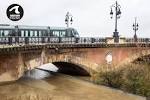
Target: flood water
x,y
41,85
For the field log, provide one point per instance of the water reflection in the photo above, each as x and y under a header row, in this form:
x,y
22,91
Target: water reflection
x,y
41,71
37,74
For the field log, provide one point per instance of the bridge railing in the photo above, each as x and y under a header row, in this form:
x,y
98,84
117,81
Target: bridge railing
x,y
88,40
12,40
17,40
139,40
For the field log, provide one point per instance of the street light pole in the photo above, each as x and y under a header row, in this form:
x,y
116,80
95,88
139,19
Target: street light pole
x,y
135,28
68,19
117,16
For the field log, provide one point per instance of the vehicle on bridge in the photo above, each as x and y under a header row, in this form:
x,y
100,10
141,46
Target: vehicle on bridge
x,y
36,34
24,35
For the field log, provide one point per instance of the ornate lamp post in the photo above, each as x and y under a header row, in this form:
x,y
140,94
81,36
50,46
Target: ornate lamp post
x,y
117,14
68,19
135,28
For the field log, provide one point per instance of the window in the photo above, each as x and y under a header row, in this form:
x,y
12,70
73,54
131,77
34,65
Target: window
x,y
62,33
26,33
40,33
35,33
6,32
10,32
1,32
68,33
51,33
31,33
43,33
46,33
22,33
56,33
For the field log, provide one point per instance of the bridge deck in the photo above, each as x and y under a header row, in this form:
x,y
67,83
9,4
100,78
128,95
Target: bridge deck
x,y
58,46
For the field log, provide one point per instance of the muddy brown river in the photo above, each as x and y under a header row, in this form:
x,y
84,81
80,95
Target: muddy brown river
x,y
60,87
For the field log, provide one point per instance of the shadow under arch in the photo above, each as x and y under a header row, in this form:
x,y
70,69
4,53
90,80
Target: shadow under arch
x,y
71,69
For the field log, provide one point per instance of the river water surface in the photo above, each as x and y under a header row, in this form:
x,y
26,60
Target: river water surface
x,y
59,87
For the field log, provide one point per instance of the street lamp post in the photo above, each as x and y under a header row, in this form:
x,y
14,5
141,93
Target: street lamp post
x,y
117,16
135,28
68,19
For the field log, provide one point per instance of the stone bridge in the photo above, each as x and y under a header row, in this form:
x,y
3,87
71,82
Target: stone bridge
x,y
83,59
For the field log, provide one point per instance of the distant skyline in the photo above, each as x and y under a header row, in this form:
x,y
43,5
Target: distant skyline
x,y
91,17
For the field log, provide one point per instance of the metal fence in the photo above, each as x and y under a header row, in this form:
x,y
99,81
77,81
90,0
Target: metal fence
x,y
139,40
9,40
12,40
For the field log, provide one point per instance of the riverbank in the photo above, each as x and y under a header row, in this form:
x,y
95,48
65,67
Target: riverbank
x,y
133,78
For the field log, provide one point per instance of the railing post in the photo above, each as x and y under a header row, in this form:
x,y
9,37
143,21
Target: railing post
x,y
10,40
92,40
59,39
84,40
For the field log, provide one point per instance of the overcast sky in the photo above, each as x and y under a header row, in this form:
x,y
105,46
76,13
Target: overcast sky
x,y
91,17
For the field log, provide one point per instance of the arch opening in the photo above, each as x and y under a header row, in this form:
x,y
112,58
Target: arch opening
x,y
41,72
71,69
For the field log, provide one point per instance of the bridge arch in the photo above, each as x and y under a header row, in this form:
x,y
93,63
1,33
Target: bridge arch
x,y
71,68
77,63
67,63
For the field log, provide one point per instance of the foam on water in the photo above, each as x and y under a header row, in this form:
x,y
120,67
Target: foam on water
x,y
40,74
49,67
